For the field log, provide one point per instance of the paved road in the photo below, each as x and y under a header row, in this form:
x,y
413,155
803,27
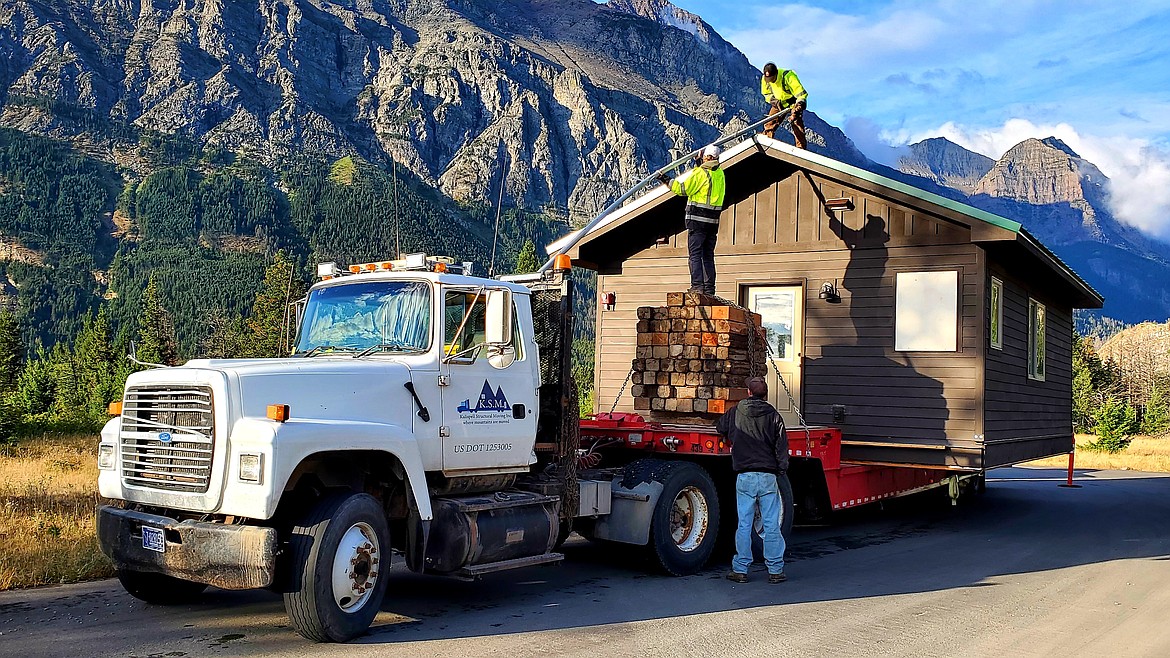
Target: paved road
x,y
1029,569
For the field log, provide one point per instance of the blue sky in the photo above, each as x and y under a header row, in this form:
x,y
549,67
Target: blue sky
x,y
985,74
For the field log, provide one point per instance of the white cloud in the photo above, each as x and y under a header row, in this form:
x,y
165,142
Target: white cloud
x,y
880,145
1138,169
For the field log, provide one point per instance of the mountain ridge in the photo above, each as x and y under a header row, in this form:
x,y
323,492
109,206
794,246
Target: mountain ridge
x,y
568,102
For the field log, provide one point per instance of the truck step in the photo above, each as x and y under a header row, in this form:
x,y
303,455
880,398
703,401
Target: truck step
x,y
478,570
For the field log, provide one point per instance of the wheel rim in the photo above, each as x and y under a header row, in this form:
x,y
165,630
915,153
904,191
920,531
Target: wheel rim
x,y
689,519
355,567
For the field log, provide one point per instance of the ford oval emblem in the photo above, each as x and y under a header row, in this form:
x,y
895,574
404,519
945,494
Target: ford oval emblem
x,y
165,437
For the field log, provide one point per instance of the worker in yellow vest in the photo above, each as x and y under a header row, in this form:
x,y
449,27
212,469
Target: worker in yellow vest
x,y
783,91
704,188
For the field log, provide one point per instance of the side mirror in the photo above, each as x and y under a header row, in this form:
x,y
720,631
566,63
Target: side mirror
x,y
499,317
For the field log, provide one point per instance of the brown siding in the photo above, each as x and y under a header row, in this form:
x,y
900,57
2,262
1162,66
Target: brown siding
x,y
849,358
1018,407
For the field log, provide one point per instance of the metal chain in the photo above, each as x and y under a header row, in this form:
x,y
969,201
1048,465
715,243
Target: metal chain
x,y
623,390
769,359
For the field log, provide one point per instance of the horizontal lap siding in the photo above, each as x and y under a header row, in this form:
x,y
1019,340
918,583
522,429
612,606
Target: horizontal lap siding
x,y
1017,407
849,358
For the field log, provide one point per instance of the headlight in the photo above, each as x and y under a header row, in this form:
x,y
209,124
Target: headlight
x,y
251,467
107,456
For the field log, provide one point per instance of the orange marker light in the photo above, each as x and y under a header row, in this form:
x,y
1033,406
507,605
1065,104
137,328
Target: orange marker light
x,y
115,408
387,266
355,268
370,267
563,263
440,267
278,412
710,444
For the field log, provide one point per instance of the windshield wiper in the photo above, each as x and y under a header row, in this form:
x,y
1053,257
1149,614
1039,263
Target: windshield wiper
x,y
383,347
321,349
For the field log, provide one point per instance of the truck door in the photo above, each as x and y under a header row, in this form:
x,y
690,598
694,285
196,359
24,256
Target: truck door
x,y
782,310
489,400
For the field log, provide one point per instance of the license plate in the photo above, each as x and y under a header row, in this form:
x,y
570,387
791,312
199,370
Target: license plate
x,y
153,539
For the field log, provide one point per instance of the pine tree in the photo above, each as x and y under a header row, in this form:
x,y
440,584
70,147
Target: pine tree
x,y
526,261
11,353
35,390
1116,424
97,366
1156,419
1092,383
156,329
271,325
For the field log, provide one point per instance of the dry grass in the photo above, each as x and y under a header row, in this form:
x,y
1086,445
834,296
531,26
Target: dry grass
x,y
48,494
1146,453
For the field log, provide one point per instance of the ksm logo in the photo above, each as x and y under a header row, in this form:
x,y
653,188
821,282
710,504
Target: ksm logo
x,y
488,402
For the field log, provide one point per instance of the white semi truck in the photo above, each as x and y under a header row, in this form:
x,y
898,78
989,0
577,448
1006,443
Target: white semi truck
x,y
424,413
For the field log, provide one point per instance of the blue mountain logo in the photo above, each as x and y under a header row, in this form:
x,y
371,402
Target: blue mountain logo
x,y
488,401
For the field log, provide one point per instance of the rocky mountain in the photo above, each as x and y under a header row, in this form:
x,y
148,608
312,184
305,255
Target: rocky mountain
x,y
573,99
1063,200
946,163
187,107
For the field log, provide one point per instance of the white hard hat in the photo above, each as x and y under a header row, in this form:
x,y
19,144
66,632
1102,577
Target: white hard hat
x,y
712,151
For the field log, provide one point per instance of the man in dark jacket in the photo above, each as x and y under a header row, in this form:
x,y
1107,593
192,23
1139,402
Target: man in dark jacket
x,y
759,454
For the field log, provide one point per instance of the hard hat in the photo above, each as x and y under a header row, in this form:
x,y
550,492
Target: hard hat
x,y
712,151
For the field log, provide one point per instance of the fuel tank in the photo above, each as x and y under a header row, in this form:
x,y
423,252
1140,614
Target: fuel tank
x,y
482,529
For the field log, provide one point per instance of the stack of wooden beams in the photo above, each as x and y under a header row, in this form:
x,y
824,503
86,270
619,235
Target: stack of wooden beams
x,y
694,356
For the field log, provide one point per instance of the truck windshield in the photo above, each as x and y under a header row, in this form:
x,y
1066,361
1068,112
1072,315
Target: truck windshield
x,y
392,316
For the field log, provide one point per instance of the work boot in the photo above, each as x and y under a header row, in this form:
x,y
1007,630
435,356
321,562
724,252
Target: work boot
x,y
775,578
737,577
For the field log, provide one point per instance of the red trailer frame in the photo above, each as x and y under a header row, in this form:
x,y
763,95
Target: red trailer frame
x,y
849,485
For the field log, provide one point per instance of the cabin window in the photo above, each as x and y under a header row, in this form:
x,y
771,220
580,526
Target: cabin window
x,y
926,312
996,313
1037,319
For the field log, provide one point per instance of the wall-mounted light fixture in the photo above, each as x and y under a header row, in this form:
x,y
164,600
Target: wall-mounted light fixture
x,y
609,300
839,204
829,293
663,241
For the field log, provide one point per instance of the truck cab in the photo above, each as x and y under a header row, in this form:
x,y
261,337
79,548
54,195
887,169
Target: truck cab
x,y
411,387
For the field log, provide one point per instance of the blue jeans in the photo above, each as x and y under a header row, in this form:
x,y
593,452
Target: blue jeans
x,y
752,491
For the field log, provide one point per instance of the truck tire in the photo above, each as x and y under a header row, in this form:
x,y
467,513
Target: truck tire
x,y
685,523
337,551
159,588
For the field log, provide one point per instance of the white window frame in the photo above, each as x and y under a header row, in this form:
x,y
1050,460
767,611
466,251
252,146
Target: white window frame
x,y
995,330
926,311
1037,340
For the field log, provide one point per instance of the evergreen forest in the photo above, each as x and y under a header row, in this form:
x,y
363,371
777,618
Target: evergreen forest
x,y
187,252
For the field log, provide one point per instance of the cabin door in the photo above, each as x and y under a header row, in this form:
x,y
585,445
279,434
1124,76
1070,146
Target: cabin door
x,y
782,311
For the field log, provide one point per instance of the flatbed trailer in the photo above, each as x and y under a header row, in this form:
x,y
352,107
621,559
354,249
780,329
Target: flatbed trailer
x,y
821,482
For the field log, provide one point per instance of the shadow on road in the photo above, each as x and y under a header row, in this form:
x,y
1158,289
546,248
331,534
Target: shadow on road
x,y
1023,524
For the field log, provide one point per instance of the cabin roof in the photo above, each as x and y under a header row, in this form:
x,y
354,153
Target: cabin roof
x,y
985,226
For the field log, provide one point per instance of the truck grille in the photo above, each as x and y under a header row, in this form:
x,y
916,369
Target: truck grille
x,y
168,434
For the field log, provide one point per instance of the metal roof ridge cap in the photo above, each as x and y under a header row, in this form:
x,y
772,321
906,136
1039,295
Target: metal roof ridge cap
x,y
905,188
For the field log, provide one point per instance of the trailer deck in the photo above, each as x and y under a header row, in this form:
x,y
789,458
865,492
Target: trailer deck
x,y
848,485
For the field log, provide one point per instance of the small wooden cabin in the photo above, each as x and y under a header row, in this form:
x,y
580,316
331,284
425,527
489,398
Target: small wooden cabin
x,y
931,332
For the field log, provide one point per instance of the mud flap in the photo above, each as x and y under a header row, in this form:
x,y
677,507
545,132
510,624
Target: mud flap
x,y
632,510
